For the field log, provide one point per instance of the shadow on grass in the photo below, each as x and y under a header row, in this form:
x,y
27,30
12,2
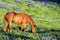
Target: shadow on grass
x,y
42,30
12,36
54,30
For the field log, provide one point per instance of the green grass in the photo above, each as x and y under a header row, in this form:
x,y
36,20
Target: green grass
x,y
43,16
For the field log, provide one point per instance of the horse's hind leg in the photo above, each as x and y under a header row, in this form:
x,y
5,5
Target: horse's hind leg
x,y
4,28
9,26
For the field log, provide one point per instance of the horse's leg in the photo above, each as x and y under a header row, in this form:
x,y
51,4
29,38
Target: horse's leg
x,y
9,26
4,24
24,26
21,28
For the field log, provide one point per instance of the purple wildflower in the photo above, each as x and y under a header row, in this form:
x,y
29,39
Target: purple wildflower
x,y
46,38
16,7
1,5
33,4
54,38
17,0
6,6
48,4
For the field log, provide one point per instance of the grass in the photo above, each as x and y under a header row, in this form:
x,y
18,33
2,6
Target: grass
x,y
46,20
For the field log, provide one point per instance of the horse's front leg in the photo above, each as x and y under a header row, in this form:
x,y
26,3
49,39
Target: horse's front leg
x,y
24,26
9,27
21,28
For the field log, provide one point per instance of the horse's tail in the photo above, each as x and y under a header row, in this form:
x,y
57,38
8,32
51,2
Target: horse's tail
x,y
4,28
33,27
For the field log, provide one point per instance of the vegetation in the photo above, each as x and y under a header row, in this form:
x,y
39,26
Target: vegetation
x,y
46,18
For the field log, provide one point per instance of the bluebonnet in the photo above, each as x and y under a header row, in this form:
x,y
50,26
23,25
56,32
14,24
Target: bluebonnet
x,y
1,5
55,3
43,0
46,38
16,7
48,4
33,4
17,0
6,6
23,0
9,7
30,2
54,38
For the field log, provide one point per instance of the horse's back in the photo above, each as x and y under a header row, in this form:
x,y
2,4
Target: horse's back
x,y
12,16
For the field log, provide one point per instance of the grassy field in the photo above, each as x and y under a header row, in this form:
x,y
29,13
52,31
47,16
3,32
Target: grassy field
x,y
46,18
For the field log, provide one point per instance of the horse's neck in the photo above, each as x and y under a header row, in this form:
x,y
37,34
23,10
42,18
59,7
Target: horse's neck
x,y
31,22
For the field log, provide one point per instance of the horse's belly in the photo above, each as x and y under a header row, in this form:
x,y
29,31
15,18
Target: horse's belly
x,y
17,20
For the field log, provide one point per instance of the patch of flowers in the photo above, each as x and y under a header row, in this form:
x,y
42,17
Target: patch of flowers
x,y
17,0
16,7
49,4
48,38
6,6
33,4
30,2
23,0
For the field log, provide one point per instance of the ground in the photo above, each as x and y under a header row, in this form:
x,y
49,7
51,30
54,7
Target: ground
x,y
46,18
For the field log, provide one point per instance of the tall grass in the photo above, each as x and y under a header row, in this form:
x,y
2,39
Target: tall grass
x,y
46,18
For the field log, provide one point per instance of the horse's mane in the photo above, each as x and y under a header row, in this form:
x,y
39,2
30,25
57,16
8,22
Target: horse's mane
x,y
11,12
28,16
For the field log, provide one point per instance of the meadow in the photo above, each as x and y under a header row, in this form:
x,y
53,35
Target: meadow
x,y
45,15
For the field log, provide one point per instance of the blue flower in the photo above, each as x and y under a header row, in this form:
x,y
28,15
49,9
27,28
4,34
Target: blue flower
x,y
17,0
1,5
6,6
16,7
54,38
46,37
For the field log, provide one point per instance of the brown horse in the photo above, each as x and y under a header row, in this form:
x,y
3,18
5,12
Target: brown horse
x,y
21,18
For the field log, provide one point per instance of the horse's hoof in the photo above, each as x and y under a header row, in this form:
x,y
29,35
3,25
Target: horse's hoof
x,y
4,30
20,31
10,31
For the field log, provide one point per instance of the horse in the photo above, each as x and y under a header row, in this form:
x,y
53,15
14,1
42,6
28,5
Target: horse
x,y
20,19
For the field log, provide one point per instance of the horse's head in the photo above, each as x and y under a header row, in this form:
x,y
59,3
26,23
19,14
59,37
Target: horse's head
x,y
34,29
